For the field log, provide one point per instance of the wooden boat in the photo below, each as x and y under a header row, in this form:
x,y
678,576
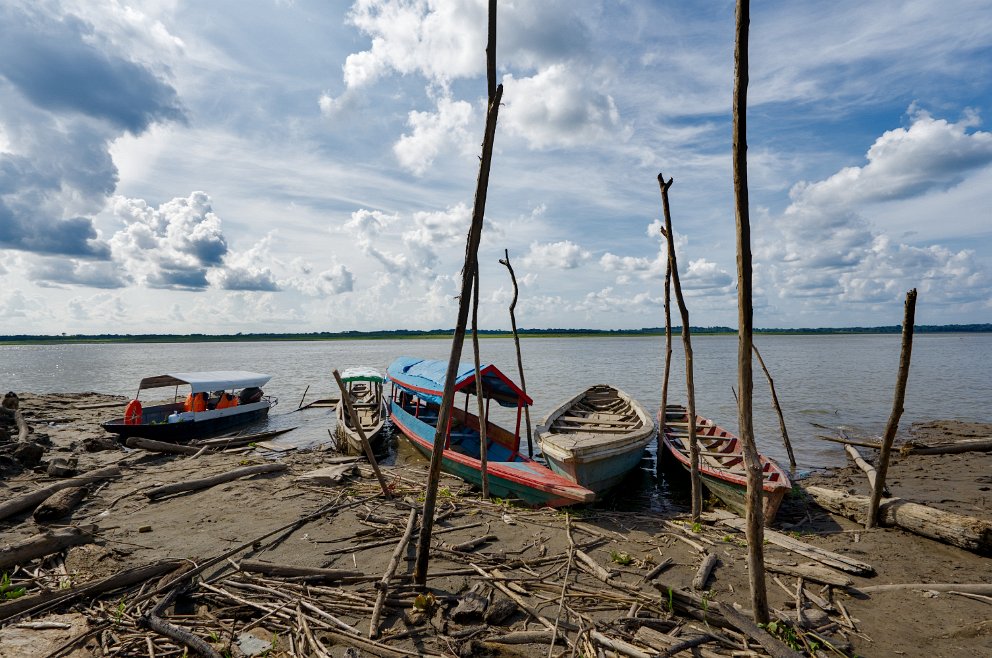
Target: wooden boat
x,y
216,402
596,438
364,388
415,400
721,462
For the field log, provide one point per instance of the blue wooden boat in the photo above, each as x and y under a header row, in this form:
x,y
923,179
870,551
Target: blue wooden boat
x,y
597,437
415,400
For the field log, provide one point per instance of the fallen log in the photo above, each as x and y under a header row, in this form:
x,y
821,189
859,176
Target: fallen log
x,y
161,446
703,573
206,483
288,571
969,588
60,504
965,532
811,572
45,543
31,500
945,447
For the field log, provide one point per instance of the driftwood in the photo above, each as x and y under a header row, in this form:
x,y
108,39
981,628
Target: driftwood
x,y
704,571
31,500
38,602
778,411
394,562
812,572
769,643
206,483
60,504
821,555
44,543
973,588
866,467
151,620
945,447
223,442
162,446
22,426
956,529
288,571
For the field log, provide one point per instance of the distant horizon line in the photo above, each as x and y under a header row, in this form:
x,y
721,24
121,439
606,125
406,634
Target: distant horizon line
x,y
441,333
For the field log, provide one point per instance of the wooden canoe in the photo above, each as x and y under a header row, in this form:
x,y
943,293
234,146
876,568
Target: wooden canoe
x,y
364,387
596,438
721,462
417,390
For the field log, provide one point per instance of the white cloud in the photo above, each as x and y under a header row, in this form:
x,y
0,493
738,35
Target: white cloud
x,y
433,133
563,255
335,280
559,107
99,308
246,270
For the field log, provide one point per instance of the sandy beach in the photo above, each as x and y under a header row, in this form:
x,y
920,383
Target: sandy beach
x,y
525,570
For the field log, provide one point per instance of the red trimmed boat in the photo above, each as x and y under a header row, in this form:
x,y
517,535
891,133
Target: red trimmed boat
x,y
721,462
415,400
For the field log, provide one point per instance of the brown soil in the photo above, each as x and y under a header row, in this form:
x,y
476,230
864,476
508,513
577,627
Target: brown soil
x,y
134,531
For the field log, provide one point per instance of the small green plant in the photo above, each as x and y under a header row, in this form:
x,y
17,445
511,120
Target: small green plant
x,y
697,527
119,611
671,601
7,592
621,558
787,634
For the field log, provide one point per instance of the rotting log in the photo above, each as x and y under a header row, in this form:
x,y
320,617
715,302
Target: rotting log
x,y
704,571
60,504
31,500
811,572
45,543
206,483
965,532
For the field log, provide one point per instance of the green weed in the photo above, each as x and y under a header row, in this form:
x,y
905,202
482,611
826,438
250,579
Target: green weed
x,y
7,592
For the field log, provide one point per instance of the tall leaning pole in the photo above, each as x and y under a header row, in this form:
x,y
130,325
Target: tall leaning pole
x,y
752,462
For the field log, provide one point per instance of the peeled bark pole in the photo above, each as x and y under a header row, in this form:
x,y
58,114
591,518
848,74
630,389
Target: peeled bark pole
x,y
956,529
483,439
697,483
668,342
778,410
444,413
361,433
206,483
900,395
516,343
30,500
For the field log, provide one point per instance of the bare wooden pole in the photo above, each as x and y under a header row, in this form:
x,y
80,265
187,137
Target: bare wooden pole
x,y
491,51
668,340
471,255
752,462
697,483
483,439
900,395
778,410
346,399
516,343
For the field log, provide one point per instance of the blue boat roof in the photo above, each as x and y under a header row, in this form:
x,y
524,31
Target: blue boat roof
x,y
425,377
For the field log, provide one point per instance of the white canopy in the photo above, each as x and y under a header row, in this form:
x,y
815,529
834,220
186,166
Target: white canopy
x,y
207,381
361,375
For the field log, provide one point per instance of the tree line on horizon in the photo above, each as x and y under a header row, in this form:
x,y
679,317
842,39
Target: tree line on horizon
x,y
431,333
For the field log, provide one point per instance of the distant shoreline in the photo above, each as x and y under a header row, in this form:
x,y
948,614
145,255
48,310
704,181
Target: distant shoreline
x,y
27,339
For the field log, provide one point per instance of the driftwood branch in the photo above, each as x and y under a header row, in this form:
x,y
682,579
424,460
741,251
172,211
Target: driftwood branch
x,y
161,446
206,483
866,467
394,561
778,411
44,543
704,571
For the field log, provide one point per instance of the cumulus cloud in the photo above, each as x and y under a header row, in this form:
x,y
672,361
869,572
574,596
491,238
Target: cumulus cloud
x,y
434,132
246,270
103,307
65,100
335,280
562,255
825,248
171,246
559,106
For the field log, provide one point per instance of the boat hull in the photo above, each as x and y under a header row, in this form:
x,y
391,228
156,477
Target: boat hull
x,y
596,438
730,486
523,478
201,425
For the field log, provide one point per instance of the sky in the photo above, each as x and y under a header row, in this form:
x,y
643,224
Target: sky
x,y
310,165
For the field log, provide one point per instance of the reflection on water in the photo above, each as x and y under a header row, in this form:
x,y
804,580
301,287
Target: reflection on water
x,y
823,383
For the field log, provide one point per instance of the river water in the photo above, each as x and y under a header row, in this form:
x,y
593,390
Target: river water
x,y
837,381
